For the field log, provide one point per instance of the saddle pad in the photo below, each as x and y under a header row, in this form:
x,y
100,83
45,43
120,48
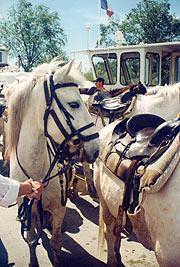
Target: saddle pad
x,y
158,173
112,189
113,104
111,186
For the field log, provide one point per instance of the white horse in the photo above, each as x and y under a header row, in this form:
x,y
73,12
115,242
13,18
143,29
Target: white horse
x,y
157,221
48,107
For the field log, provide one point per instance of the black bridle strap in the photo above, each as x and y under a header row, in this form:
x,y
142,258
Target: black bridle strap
x,y
86,138
58,123
20,165
48,97
63,85
61,107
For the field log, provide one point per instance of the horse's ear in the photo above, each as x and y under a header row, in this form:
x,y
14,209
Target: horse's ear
x,y
78,67
63,72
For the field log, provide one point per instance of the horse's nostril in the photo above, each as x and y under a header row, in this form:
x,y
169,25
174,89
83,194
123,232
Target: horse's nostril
x,y
76,142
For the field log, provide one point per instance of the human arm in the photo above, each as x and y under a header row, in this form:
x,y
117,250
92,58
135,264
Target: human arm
x,y
10,189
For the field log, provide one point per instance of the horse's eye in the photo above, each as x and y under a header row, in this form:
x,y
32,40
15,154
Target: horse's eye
x,y
74,104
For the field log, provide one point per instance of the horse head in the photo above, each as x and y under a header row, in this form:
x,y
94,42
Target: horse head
x,y
66,119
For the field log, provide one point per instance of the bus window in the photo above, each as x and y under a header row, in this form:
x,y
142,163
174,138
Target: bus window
x,y
165,69
129,68
152,69
177,69
105,66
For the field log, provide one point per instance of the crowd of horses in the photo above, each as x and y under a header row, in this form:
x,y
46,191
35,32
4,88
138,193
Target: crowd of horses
x,y
136,160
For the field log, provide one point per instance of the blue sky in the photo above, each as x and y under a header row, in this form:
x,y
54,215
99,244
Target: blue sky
x,y
75,14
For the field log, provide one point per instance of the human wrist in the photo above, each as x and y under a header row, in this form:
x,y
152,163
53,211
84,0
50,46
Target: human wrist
x,y
25,188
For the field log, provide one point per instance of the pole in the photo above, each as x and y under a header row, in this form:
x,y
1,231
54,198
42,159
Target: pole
x,y
99,24
88,28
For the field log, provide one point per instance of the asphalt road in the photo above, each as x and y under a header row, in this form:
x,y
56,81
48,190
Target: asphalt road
x,y
80,240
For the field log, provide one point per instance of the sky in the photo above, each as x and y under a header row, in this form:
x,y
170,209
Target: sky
x,y
76,14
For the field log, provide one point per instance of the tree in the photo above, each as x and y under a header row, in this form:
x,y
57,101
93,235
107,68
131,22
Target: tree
x,y
149,22
33,34
107,32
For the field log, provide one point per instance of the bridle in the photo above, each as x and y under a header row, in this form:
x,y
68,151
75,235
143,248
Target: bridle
x,y
60,152
59,149
50,95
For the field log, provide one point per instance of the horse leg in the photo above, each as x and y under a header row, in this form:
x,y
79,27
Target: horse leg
x,y
112,232
117,232
32,235
89,179
33,256
73,191
56,239
73,187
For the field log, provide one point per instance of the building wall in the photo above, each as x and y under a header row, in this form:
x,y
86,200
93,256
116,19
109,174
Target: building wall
x,y
3,57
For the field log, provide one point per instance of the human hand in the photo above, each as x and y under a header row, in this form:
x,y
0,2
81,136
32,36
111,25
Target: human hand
x,y
37,189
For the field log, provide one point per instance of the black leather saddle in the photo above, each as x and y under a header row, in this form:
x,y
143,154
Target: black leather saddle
x,y
108,106
141,121
147,132
167,129
142,139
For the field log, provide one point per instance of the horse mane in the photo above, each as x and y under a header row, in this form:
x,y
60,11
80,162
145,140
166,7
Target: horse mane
x,y
165,90
18,95
168,90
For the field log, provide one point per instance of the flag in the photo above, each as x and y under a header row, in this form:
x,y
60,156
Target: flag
x,y
109,11
105,5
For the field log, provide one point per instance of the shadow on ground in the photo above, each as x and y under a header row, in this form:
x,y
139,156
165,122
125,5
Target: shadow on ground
x,y
4,169
4,257
90,212
74,256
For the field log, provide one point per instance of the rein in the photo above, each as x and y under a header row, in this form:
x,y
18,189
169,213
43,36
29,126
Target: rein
x,y
25,209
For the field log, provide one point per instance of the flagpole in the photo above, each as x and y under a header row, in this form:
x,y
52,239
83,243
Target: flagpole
x,y
99,24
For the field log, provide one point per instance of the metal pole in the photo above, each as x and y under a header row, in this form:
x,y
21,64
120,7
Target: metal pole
x,y
88,28
99,24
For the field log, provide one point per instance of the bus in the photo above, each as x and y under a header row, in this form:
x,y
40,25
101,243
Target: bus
x,y
151,64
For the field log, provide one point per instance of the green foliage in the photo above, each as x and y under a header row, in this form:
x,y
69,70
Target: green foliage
x,y
107,32
149,22
33,33
89,75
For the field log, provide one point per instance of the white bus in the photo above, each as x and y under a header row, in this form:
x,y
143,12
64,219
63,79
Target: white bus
x,y
152,64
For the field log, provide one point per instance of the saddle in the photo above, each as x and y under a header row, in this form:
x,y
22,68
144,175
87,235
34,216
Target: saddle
x,y
149,137
105,105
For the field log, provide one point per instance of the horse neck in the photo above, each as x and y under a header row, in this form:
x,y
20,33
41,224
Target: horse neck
x,y
164,106
32,149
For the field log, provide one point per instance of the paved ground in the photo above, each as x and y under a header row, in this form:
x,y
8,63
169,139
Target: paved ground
x,y
80,239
